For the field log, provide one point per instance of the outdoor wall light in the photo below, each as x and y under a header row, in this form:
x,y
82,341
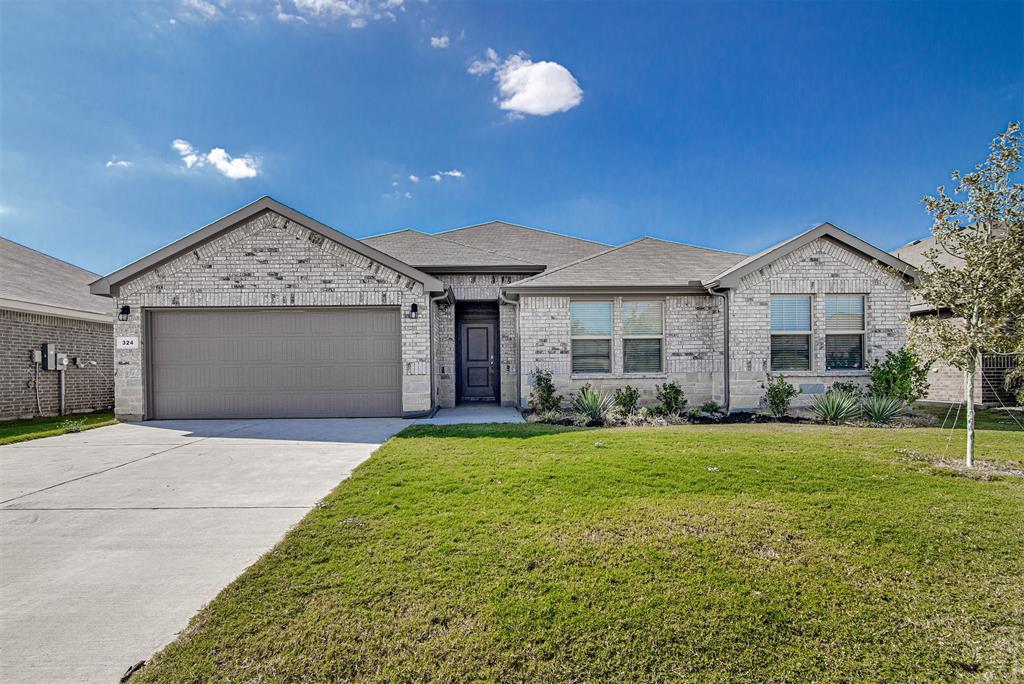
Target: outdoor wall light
x,y
414,310
123,314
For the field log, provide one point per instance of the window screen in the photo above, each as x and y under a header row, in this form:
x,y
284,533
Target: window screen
x,y
791,352
844,352
591,319
642,329
791,312
790,332
844,332
844,312
591,356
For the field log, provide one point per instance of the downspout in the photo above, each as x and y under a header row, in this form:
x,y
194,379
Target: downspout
x,y
433,381
519,349
725,346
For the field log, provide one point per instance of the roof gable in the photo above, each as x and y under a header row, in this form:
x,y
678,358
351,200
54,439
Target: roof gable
x,y
731,276
34,281
528,244
108,285
434,253
644,263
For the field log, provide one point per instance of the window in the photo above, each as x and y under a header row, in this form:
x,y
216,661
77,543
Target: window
x,y
642,331
844,332
791,332
591,337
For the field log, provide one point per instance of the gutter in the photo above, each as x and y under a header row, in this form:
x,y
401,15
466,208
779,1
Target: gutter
x,y
519,349
726,370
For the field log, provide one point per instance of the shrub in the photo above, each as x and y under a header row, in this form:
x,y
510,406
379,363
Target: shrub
x,y
591,406
778,394
626,398
695,414
881,409
711,407
543,398
835,407
850,388
72,425
901,374
671,400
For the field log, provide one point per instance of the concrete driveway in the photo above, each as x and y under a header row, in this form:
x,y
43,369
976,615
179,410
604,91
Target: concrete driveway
x,y
111,539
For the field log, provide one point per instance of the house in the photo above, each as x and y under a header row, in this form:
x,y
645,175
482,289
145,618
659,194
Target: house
x,y
44,300
946,383
270,313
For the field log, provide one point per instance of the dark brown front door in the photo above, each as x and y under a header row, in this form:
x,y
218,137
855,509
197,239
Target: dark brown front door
x,y
478,363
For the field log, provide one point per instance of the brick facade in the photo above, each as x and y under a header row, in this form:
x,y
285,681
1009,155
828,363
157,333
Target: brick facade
x,y
87,388
476,287
693,342
692,347
820,267
270,261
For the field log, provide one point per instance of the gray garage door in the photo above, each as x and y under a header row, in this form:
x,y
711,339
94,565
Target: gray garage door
x,y
275,363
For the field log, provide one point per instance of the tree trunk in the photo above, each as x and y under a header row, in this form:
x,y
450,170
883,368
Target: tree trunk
x,y
969,399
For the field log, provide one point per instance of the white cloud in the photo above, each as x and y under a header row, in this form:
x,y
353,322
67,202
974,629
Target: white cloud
x,y
408,195
527,87
414,179
201,9
287,17
436,177
234,168
119,163
441,41
454,173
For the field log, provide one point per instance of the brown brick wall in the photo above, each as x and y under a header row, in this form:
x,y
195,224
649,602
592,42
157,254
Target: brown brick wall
x,y
85,389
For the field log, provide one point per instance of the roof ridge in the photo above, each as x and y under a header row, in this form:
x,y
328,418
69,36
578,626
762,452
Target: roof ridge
x,y
393,232
690,244
49,256
519,225
580,261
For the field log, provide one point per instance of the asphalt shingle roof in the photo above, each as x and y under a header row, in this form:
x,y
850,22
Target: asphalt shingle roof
x,y
529,244
423,250
36,278
647,262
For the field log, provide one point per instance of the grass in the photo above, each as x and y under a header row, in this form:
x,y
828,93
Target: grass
x,y
22,430
692,553
984,419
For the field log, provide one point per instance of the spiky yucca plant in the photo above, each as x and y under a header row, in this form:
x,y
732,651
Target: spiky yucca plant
x,y
835,407
881,408
592,406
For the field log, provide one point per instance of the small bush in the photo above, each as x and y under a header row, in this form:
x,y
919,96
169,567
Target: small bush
x,y
835,407
695,414
72,425
778,395
671,399
591,407
711,407
901,374
543,398
627,398
880,409
556,417
850,388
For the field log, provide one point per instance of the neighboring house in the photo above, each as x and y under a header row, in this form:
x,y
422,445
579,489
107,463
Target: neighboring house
x,y
44,300
269,313
946,383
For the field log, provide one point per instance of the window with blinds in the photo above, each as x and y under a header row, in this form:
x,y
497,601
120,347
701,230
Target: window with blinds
x,y
642,334
591,337
844,332
790,332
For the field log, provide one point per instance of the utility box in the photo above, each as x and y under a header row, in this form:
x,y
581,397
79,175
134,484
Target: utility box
x,y
49,356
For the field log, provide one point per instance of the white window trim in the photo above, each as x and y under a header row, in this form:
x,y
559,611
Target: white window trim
x,y
862,333
572,338
809,334
661,337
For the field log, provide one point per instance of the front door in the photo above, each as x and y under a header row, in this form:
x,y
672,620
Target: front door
x,y
478,363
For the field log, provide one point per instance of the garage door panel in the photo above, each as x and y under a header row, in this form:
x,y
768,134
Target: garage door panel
x,y
246,363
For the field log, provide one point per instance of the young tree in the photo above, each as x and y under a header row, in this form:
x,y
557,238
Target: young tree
x,y
981,288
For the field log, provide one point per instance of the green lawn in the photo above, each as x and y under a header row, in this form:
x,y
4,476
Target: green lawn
x,y
987,419
692,553
34,428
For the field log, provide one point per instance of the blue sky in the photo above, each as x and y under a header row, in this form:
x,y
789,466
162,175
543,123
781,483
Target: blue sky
x,y
726,125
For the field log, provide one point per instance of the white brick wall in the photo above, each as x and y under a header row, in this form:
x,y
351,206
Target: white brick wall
x,y
818,268
693,330
476,287
692,348
269,261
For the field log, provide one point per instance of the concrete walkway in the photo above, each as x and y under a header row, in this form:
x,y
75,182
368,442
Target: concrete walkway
x,y
113,538
474,413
